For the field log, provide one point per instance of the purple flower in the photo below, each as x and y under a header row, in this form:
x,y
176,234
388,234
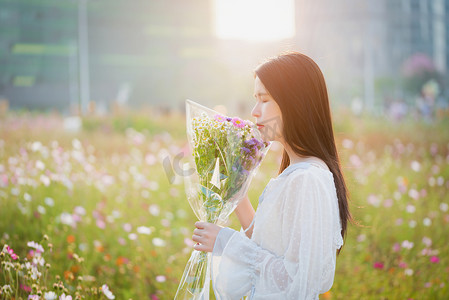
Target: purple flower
x,y
257,142
246,150
244,172
250,142
228,119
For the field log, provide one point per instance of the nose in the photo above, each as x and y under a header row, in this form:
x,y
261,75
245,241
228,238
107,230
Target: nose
x,y
256,111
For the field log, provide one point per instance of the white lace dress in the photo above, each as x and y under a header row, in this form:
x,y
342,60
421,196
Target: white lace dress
x,y
292,251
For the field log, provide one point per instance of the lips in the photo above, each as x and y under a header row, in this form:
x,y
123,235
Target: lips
x,y
259,126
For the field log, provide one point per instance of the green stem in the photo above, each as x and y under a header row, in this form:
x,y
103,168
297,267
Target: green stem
x,y
224,161
17,283
4,275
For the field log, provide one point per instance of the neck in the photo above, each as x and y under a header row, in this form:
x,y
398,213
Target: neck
x,y
296,158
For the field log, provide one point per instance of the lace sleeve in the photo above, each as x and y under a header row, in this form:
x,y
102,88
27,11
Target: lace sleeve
x,y
307,266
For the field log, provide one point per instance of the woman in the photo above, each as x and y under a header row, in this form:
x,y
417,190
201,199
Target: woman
x,y
288,248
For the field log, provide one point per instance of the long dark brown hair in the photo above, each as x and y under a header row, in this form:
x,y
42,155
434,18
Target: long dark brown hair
x,y
297,85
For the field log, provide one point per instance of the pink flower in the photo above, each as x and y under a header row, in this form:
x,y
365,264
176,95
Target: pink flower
x,y
100,224
11,253
25,288
378,265
238,122
396,247
219,118
154,297
402,265
434,259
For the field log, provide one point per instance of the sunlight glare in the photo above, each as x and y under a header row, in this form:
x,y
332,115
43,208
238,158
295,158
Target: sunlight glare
x,y
255,20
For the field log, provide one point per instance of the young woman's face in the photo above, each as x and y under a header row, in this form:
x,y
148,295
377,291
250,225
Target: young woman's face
x,y
267,113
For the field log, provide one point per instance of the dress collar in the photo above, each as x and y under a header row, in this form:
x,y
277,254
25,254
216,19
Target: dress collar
x,y
293,167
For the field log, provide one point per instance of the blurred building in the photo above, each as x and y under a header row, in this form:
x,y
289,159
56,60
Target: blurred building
x,y
160,52
138,52
362,45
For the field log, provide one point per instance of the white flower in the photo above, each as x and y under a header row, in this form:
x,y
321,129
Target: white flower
x,y
144,230
35,274
444,206
38,260
408,272
49,201
107,292
41,209
406,244
76,144
40,165
79,210
6,289
427,241
27,197
427,222
416,166
67,219
64,297
36,246
50,296
36,146
410,209
154,210
158,242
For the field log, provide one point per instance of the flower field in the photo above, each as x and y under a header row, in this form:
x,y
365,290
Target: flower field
x,y
102,213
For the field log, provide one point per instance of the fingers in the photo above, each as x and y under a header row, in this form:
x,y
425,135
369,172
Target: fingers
x,y
197,238
201,237
200,225
201,247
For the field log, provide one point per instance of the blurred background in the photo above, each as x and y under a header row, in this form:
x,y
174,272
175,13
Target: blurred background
x,y
93,136
80,56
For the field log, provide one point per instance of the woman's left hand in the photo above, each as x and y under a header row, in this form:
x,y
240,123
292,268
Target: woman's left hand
x,y
205,235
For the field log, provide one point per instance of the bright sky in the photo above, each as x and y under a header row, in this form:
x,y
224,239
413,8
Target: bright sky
x,y
255,20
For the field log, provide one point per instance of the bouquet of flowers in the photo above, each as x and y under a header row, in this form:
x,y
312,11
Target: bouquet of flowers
x,y
227,152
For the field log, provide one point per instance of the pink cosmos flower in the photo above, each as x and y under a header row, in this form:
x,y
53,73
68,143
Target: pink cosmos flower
x,y
219,118
434,259
396,247
238,122
378,265
11,253
26,288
